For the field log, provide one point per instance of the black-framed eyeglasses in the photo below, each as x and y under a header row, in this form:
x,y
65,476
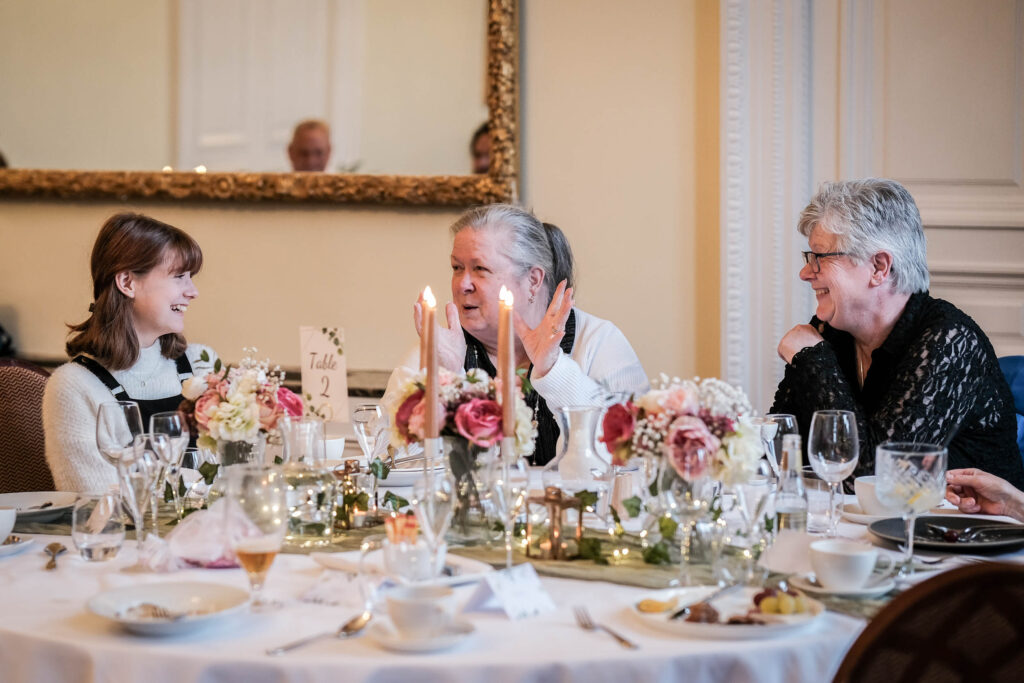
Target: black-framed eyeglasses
x,y
813,258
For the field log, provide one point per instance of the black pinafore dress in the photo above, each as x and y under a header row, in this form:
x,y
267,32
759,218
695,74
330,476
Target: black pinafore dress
x,y
148,407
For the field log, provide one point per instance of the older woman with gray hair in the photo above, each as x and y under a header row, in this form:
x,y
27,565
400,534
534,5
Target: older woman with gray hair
x,y
571,357
911,367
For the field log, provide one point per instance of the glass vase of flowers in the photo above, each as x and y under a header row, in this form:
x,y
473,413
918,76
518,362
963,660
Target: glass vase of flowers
x,y
471,432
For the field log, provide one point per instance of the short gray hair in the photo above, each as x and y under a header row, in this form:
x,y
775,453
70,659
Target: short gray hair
x,y
872,215
531,243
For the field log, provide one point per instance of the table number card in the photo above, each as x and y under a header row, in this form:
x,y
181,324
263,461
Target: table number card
x,y
324,372
516,592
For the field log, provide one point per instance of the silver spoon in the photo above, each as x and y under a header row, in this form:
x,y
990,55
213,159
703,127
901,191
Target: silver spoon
x,y
347,630
53,550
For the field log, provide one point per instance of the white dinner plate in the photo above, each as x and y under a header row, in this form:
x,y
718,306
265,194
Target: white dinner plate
x,y
466,570
203,604
733,604
808,584
28,504
853,513
15,548
385,634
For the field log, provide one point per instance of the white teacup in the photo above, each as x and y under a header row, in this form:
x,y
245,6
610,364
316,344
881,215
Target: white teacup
x,y
864,487
7,517
844,565
421,611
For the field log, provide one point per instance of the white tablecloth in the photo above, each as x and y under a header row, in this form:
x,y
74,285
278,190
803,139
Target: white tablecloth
x,y
46,634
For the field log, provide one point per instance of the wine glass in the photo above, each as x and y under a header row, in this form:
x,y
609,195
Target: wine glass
x,y
509,483
174,425
366,421
773,427
137,469
433,502
687,492
117,425
833,450
911,477
256,518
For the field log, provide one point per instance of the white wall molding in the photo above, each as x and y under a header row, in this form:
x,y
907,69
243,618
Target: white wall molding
x,y
766,180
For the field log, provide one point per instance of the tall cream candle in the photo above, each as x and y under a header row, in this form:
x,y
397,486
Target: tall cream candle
x,y
432,427
507,362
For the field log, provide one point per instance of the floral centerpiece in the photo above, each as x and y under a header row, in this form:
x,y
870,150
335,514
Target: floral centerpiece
x,y
234,408
471,426
679,418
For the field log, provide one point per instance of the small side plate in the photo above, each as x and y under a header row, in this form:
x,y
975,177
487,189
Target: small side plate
x,y
15,546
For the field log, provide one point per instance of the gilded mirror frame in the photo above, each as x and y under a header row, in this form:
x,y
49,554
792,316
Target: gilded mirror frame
x,y
498,185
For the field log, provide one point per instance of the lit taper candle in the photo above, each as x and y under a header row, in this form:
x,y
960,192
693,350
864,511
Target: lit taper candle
x,y
507,362
428,357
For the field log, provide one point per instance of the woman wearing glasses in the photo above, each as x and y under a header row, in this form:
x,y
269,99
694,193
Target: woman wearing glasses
x,y
911,367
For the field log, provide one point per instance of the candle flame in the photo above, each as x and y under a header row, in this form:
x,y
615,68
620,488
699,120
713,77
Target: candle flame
x,y
200,169
506,296
428,297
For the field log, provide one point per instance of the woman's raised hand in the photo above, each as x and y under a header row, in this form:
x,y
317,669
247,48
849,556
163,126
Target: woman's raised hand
x,y
451,344
541,343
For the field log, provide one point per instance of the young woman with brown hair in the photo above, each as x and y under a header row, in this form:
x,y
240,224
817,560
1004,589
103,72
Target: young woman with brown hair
x,y
131,347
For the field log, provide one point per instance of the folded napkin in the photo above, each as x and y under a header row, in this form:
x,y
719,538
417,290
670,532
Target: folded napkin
x,y
199,540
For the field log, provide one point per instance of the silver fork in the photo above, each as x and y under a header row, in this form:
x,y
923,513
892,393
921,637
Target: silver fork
x,y
587,624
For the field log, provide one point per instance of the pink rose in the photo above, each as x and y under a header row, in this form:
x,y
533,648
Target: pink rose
x,y
290,402
417,420
681,401
270,410
479,420
618,425
690,446
404,414
206,407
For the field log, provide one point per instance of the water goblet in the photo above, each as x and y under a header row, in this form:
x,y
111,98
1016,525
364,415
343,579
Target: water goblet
x,y
773,427
256,518
137,471
433,502
117,425
175,426
833,450
508,479
687,491
366,422
911,477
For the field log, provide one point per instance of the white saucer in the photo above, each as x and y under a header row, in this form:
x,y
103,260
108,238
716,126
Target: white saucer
x,y
878,587
198,604
384,633
29,504
853,513
15,548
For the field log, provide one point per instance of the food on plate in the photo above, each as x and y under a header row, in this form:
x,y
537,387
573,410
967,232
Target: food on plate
x,y
651,606
703,613
775,601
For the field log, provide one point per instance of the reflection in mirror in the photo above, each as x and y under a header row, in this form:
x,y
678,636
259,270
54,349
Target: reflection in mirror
x,y
122,84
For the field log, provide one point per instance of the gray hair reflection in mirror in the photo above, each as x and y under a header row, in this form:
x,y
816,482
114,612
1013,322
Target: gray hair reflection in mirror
x,y
530,242
872,215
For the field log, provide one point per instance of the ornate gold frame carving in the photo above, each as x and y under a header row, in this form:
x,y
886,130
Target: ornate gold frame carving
x,y
500,184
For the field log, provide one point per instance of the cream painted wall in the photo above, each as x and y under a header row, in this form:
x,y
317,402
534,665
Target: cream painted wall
x,y
608,108
609,129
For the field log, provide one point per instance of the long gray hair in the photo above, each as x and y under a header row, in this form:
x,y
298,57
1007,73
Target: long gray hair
x,y
872,215
530,243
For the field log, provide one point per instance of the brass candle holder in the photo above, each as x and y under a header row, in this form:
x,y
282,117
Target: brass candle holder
x,y
556,502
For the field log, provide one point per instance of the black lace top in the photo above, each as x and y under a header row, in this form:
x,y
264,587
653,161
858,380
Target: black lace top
x,y
935,379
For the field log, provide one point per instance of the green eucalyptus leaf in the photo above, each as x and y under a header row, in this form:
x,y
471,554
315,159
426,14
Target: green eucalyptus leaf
x,y
204,356
208,470
588,499
632,506
590,549
379,468
657,554
217,365
168,492
396,502
667,526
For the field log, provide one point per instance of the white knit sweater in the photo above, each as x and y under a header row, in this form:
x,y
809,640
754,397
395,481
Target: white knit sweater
x,y
71,403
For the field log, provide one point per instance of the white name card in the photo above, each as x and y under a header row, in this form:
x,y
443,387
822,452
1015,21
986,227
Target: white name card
x,y
324,372
516,592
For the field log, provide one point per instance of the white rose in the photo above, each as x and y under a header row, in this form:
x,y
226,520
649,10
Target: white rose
x,y
193,387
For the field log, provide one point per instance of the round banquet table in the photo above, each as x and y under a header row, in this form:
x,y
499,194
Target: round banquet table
x,y
47,634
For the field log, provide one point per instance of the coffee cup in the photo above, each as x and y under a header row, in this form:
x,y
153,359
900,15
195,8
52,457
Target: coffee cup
x,y
7,518
869,504
421,611
844,565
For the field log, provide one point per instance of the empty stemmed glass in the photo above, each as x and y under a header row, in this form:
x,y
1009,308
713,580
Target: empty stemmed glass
x,y
174,425
117,425
369,424
833,450
687,492
256,518
433,502
509,483
911,477
773,427
137,470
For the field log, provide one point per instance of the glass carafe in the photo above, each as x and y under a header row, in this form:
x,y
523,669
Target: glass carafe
x,y
578,468
311,495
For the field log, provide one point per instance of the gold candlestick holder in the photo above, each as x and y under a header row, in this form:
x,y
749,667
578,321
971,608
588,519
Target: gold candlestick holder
x,y
557,502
